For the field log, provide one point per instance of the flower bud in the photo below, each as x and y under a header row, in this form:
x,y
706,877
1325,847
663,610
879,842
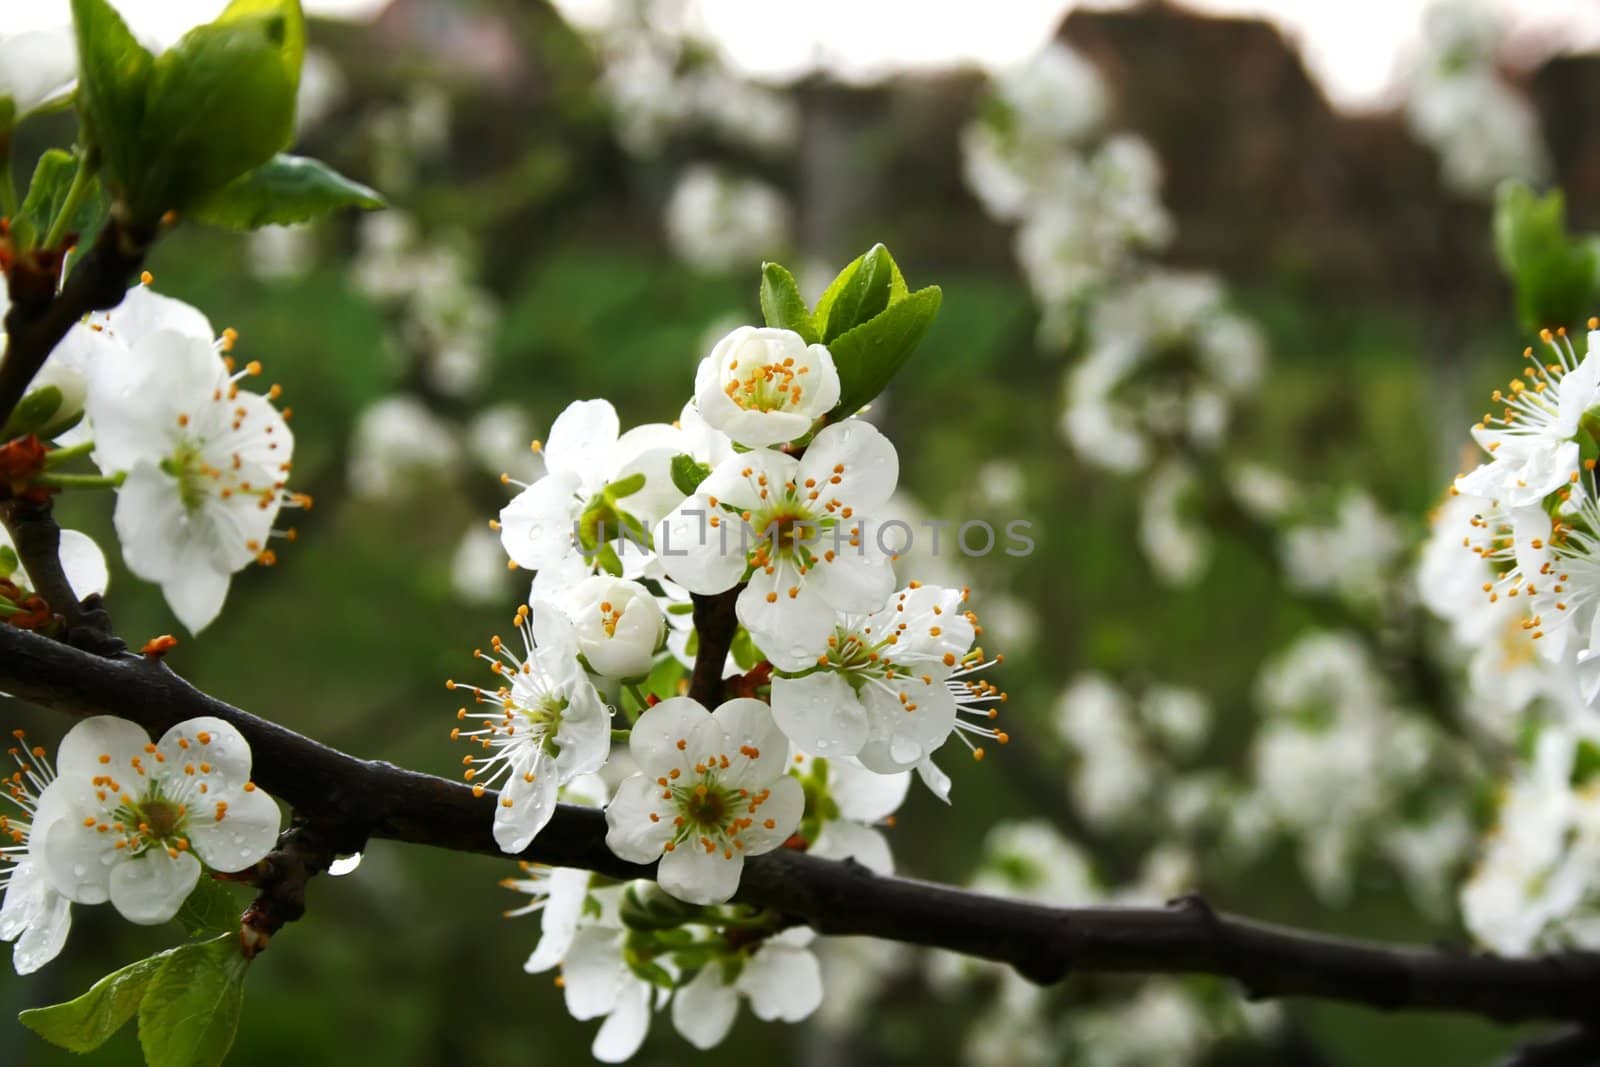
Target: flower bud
x,y
618,625
765,386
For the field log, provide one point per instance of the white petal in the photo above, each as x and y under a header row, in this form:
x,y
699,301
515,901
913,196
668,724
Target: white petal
x,y
209,740
150,888
558,920
624,1029
143,311
783,808
782,983
864,795
871,465
777,620
700,557
532,804
859,578
937,781
842,839
703,1010
749,728
84,564
80,752
585,733
582,438
655,739
820,713
696,876
536,526
245,834
46,934
630,832
593,972
196,596
78,861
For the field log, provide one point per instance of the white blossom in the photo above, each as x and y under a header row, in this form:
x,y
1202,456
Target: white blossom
x,y
131,822
617,623
33,914
542,727
718,221
795,530
205,463
763,386
712,788
781,980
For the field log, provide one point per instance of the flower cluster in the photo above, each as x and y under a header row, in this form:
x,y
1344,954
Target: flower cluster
x,y
740,543
120,818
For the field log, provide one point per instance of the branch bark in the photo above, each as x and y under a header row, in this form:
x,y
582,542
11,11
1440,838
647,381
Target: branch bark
x,y
365,798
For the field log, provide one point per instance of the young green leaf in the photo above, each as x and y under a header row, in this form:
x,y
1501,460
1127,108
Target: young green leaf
x,y
782,305
209,910
868,356
113,76
221,102
191,1009
1555,276
48,196
860,292
282,191
688,473
84,1024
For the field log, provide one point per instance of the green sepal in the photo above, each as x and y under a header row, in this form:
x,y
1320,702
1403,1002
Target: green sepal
x,y
688,473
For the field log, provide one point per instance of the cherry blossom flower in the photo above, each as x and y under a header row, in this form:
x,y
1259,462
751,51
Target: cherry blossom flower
x,y
131,822
618,625
601,493
879,686
543,726
796,530
712,788
205,463
764,386
33,914
1531,441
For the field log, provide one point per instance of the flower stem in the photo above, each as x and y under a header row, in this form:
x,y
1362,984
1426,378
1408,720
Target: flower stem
x,y
81,178
61,455
642,700
8,186
620,737
80,481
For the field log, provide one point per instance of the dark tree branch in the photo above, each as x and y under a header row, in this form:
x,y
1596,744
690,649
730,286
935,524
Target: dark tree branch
x,y
715,623
37,539
363,798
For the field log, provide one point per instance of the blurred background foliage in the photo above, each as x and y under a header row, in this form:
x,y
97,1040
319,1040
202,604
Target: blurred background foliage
x,y
1375,288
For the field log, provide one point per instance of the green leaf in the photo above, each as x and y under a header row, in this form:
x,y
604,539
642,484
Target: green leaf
x,y
868,356
1585,763
210,909
113,77
84,1024
688,473
191,1009
280,192
1555,276
782,305
860,292
47,195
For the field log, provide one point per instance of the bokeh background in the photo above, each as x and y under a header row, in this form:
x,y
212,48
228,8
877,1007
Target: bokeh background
x,y
565,226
